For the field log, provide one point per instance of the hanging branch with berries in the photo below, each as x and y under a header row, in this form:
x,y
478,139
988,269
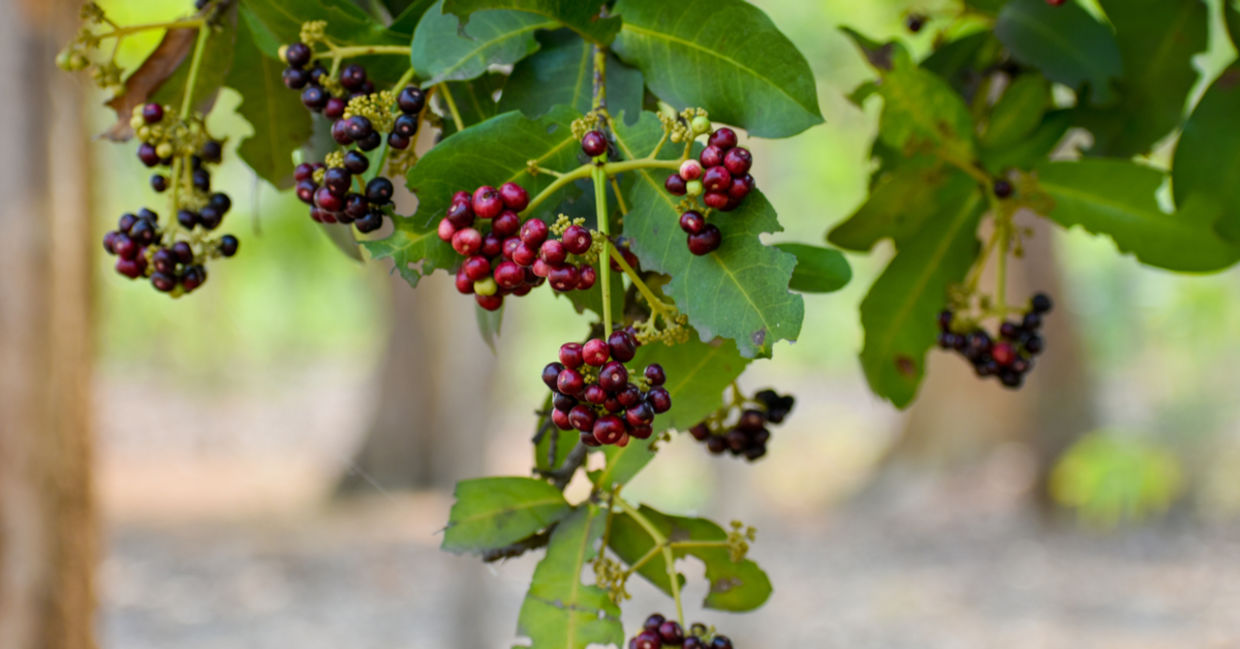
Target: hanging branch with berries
x,y
597,147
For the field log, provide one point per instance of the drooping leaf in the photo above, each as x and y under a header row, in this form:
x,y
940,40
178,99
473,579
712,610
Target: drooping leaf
x,y
921,112
1207,158
1018,112
489,324
1066,43
901,200
490,513
559,611
697,374
819,270
562,72
1157,40
898,314
1116,198
1033,148
740,291
281,124
744,70
733,585
581,16
474,100
489,153
217,61
442,49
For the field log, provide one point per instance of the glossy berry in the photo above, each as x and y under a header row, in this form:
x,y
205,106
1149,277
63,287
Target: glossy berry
x,y
147,154
460,215
314,98
359,127
487,203
337,180
655,375
577,240
724,138
675,185
613,376
551,373
570,381
671,633
1041,303
340,132
467,241
1003,189
411,100
594,144
711,156
690,170
717,179
564,278
586,277
297,55
294,78
692,222
653,622
379,191
355,162
608,429
552,252
622,345
152,113
370,142
476,268
595,352
353,76
534,232
706,241
509,275
159,182
738,161
514,196
660,399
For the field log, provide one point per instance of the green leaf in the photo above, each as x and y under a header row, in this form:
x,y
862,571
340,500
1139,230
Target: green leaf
x,y
493,512
1157,40
819,270
559,611
347,24
723,55
475,100
697,374
1066,43
281,124
1207,158
562,72
901,200
898,314
407,18
1116,198
740,291
986,6
489,153
921,112
577,15
960,62
1231,16
1032,149
443,50
1018,112
217,61
489,324
733,586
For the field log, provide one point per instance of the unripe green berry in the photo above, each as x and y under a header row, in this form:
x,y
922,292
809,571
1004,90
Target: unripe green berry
x,y
137,123
164,150
701,124
693,188
283,52
486,287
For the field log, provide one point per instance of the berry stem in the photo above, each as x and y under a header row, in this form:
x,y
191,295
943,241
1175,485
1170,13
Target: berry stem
x,y
121,32
377,168
200,45
586,170
600,79
615,188
655,303
447,98
604,226
367,50
661,543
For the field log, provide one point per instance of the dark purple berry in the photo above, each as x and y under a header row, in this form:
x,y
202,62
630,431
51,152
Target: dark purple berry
x,y
147,154
411,100
314,98
359,127
622,345
379,191
356,162
228,245
371,221
675,185
295,78
159,182
660,399
406,125
353,77
594,144
152,113
370,142
337,180
297,55
1003,188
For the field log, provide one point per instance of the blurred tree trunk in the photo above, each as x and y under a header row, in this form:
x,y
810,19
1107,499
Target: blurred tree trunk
x,y
958,419
48,530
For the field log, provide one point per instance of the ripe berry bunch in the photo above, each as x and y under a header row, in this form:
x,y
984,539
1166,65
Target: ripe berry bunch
x,y
748,435
658,632
720,176
361,118
595,393
503,255
176,266
1007,356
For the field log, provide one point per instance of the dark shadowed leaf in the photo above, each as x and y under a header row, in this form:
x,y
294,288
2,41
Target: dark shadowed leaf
x,y
581,16
1066,43
562,72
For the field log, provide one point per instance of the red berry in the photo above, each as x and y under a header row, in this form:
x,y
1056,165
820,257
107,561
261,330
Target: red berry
x,y
461,196
582,418
467,242
671,633
570,381
724,138
460,214
655,375
551,373
509,275
608,429
533,232
487,202
476,268
652,623
506,224
1003,353
586,277
561,420
152,113
524,254
571,355
577,239
492,245
552,251
741,186
595,394
711,156
738,161
595,352
613,377
675,185
690,170
692,222
326,199
540,268
446,229
594,144
622,345
706,241
564,278
660,399
717,179
514,196
716,200
464,284
639,415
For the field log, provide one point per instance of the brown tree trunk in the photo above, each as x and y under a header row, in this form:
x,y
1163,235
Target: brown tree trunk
x,y
48,530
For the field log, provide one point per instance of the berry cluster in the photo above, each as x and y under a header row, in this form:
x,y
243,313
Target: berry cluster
x,y
360,117
1010,357
504,256
720,176
658,632
173,256
593,393
748,436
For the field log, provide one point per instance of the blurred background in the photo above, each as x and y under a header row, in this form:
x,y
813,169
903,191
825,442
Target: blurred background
x,y
274,456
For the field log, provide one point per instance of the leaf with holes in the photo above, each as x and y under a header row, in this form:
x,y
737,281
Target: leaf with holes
x,y
491,513
559,611
1066,43
723,55
443,50
898,314
733,585
581,17
1117,198
739,291
562,72
280,121
697,374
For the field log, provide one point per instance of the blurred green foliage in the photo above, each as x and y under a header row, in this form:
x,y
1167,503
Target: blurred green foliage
x,y
1110,478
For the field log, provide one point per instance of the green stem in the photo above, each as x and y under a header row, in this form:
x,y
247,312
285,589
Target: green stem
x,y
660,542
200,45
689,545
121,32
368,50
604,226
655,303
1003,224
609,169
644,560
377,168
456,115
